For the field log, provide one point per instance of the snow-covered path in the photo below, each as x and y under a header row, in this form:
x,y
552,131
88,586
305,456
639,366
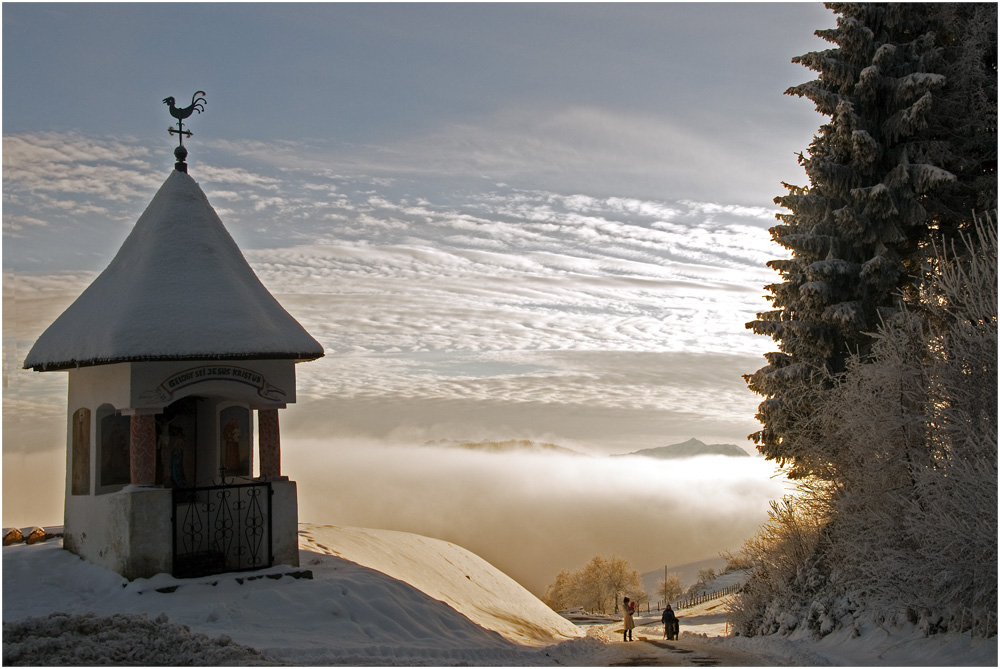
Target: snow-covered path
x,y
688,651
698,645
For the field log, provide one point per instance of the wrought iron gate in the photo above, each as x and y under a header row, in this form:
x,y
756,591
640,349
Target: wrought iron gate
x,y
221,528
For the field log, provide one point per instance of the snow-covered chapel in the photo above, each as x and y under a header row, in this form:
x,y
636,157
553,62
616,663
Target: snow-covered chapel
x,y
170,352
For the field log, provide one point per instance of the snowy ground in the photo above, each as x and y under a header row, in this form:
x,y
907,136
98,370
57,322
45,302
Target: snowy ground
x,y
375,598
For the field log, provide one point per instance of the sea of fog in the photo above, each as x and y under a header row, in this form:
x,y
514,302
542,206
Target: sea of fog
x,y
535,514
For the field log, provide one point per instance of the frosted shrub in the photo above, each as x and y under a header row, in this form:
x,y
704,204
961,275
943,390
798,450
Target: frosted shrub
x,y
916,522
902,526
955,511
62,639
777,559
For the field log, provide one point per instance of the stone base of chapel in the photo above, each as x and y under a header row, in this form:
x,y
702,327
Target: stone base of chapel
x,y
131,531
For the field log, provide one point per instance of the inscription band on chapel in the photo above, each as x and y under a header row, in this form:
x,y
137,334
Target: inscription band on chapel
x,y
164,392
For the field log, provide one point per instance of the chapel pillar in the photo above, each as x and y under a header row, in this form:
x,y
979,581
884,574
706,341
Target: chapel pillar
x,y
270,443
142,449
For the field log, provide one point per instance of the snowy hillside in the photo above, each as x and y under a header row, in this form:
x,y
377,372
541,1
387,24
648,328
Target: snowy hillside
x,y
388,597
448,573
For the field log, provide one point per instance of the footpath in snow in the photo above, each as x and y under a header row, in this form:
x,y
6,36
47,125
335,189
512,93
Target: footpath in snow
x,y
372,597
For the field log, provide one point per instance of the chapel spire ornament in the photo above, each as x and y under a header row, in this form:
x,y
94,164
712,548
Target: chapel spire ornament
x,y
197,105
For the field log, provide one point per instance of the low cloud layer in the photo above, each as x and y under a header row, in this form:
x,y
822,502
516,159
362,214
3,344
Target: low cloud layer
x,y
533,515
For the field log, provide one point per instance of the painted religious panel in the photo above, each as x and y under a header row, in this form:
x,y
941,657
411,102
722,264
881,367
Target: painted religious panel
x,y
114,450
80,484
236,435
177,444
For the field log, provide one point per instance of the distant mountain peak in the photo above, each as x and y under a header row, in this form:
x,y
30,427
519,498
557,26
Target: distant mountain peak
x,y
690,449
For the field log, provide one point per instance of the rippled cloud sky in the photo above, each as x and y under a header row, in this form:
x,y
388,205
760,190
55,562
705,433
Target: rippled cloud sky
x,y
508,221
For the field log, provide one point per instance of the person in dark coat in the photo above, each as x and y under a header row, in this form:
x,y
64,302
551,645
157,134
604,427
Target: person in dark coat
x,y
671,628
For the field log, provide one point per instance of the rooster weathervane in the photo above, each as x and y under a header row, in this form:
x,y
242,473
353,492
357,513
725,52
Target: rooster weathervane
x,y
197,105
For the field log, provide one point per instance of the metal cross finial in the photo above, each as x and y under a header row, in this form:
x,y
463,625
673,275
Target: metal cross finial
x,y
197,105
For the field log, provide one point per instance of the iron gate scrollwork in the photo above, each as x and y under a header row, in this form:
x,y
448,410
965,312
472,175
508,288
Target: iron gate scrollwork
x,y
221,528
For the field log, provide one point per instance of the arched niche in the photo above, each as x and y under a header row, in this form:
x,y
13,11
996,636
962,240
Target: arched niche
x,y
80,452
112,470
235,430
177,443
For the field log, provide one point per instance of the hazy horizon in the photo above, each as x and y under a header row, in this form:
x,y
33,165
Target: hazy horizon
x,y
559,511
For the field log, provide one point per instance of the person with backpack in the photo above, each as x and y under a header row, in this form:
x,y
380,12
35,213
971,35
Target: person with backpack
x,y
671,627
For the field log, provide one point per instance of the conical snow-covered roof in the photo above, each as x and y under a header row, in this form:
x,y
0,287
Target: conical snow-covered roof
x,y
179,288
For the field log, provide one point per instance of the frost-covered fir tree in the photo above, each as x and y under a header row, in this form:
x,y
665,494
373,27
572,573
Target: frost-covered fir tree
x,y
966,116
908,152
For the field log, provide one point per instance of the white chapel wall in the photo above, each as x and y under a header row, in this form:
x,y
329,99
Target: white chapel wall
x,y
129,529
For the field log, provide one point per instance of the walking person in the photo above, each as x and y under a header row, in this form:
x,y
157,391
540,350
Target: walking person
x,y
628,608
671,627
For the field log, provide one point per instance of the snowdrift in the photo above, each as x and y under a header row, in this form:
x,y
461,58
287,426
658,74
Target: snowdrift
x,y
457,610
448,573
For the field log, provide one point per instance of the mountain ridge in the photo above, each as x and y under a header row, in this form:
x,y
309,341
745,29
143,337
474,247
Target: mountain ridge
x,y
689,449
504,446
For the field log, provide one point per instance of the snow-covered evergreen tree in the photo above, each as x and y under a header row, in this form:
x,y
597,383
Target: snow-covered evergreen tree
x,y
965,118
908,151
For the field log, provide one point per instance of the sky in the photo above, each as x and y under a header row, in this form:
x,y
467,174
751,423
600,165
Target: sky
x,y
501,221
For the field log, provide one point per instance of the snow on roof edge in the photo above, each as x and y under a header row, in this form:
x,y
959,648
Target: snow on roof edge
x,y
74,364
